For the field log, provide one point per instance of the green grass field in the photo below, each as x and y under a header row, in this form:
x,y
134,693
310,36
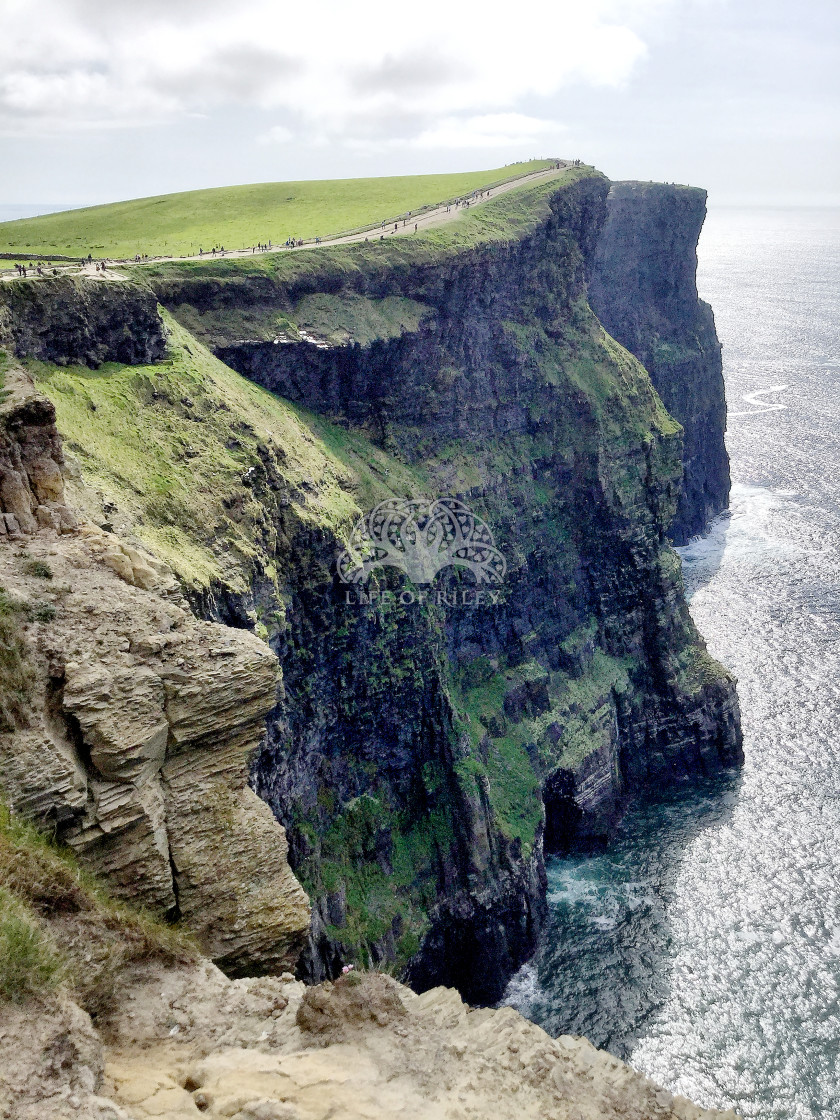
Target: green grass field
x,y
235,217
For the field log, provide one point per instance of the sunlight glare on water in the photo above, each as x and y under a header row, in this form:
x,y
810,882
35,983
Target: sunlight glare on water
x,y
704,947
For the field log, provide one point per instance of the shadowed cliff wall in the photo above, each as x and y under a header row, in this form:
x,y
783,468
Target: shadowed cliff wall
x,y
643,289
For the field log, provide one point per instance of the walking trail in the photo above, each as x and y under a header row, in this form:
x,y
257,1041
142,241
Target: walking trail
x,y
394,227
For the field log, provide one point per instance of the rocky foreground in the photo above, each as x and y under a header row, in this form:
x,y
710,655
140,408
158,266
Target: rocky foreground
x,y
188,1042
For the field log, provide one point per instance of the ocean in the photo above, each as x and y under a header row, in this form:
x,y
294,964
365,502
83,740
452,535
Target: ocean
x,y
704,946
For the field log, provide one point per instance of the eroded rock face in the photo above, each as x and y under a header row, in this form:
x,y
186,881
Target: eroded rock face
x,y
140,723
68,321
643,288
31,461
365,1047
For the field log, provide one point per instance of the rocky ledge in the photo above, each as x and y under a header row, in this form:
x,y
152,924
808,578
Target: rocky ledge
x,y
128,724
188,1042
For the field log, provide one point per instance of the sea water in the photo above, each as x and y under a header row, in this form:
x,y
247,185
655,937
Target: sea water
x,y
704,946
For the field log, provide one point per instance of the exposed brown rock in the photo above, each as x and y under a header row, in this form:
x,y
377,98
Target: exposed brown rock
x,y
141,719
190,1041
333,1012
51,1063
185,1041
31,459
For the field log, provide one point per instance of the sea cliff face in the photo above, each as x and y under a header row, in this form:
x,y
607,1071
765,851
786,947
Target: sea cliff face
x,y
424,749
481,368
643,289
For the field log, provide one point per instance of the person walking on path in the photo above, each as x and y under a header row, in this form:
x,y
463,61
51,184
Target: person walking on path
x,y
432,214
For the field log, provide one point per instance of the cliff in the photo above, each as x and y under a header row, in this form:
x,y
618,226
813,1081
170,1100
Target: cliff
x,y
644,291
424,749
127,724
67,321
108,1014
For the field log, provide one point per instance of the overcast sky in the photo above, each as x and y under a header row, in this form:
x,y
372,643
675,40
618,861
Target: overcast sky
x,y
110,99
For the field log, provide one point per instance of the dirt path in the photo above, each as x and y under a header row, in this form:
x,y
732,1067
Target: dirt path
x,y
393,227
396,227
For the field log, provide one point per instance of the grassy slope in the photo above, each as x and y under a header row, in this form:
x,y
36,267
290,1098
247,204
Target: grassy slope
x,y
238,216
506,217
167,443
58,925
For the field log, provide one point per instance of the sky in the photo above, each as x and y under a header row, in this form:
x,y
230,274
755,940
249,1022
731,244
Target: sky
x,y
111,99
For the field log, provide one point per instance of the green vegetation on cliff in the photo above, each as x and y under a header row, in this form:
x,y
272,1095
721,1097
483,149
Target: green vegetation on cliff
x,y
235,217
506,218
180,447
378,902
59,925
525,722
409,754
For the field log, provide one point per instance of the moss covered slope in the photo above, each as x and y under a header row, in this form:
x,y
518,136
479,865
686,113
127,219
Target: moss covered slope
x,y
176,450
59,926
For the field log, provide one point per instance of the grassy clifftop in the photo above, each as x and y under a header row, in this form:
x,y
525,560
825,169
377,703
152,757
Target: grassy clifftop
x,y
332,290
503,218
177,224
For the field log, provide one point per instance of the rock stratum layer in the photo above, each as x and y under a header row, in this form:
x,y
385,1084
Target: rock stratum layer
x,y
423,750
643,289
132,723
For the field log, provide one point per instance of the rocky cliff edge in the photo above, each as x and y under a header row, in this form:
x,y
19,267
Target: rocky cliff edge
x,y
128,724
186,1042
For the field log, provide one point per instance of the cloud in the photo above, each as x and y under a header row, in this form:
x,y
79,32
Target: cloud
x,y
492,130
412,71
237,73
345,73
279,134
